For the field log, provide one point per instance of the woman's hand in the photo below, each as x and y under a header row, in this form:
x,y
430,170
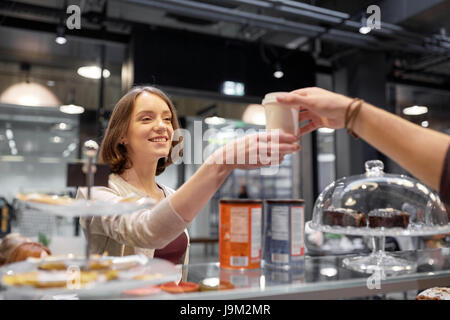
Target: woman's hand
x,y
322,108
256,150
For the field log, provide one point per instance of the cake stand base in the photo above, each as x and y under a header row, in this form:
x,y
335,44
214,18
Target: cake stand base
x,y
379,261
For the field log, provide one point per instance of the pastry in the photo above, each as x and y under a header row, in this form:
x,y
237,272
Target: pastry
x,y
44,198
388,218
435,293
344,217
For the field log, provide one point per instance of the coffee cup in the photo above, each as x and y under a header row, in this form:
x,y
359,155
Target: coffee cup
x,y
279,116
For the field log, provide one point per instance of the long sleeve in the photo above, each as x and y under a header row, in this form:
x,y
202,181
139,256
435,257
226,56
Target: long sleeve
x,y
444,190
151,228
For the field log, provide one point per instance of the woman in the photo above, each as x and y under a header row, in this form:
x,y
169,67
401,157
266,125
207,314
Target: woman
x,y
423,152
137,145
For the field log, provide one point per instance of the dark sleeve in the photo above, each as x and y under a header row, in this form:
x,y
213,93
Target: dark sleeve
x,y
444,190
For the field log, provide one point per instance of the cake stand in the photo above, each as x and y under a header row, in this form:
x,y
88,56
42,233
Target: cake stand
x,y
379,259
378,190
86,207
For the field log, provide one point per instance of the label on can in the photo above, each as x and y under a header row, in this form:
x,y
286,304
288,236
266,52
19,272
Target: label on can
x,y
283,233
240,234
297,238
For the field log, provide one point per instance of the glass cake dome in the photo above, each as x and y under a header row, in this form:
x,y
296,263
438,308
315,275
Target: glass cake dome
x,y
379,204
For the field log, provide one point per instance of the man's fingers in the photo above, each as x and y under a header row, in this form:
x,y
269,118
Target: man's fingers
x,y
293,100
304,116
307,128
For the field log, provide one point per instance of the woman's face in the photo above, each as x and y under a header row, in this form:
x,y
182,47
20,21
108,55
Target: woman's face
x,y
150,130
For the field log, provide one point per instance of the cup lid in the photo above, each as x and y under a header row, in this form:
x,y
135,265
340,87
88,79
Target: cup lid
x,y
271,97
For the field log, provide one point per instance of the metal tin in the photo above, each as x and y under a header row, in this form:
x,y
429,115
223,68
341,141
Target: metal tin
x,y
283,233
240,233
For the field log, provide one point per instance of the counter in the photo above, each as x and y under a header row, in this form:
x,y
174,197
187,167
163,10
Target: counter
x,y
321,278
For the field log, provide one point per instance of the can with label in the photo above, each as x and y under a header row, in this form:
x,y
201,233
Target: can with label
x,y
283,233
240,233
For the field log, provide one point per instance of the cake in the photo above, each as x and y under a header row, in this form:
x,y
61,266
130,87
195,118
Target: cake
x,y
344,217
435,293
388,218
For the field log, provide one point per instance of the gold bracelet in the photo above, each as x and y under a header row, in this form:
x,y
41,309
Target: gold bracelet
x,y
346,118
352,118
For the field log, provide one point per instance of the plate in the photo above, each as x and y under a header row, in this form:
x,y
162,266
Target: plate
x,y
133,272
72,208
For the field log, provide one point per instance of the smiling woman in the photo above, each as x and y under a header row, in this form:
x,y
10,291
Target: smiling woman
x,y
137,145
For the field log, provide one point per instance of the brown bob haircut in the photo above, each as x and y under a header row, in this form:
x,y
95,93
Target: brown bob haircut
x,y
114,153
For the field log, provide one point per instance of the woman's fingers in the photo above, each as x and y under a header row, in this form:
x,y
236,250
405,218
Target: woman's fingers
x,y
276,135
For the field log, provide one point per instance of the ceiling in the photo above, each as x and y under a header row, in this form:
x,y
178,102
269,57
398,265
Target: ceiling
x,y
412,31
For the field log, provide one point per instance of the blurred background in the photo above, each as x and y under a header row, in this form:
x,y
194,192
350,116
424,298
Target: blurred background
x,y
216,59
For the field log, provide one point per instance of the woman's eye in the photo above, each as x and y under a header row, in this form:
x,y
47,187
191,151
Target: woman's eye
x,y
168,119
146,119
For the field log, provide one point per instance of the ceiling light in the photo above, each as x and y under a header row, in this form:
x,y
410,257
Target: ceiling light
x,y
425,124
92,72
215,120
12,144
9,134
415,110
13,158
56,139
71,109
254,114
365,30
278,72
60,40
14,151
63,126
48,160
60,37
231,88
29,94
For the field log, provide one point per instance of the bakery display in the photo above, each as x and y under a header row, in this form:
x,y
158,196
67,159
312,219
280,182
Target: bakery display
x,y
388,218
344,218
67,274
435,293
45,198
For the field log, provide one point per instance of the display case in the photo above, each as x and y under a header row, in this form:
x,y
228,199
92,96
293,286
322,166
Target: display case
x,y
379,204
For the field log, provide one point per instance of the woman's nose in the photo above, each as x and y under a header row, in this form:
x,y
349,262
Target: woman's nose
x,y
160,125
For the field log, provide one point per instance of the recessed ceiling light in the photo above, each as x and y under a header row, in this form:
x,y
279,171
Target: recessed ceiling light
x,y
60,40
71,109
63,126
92,72
364,30
415,110
56,139
425,124
278,74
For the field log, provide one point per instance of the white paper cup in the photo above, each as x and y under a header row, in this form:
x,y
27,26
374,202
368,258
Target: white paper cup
x,y
279,116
